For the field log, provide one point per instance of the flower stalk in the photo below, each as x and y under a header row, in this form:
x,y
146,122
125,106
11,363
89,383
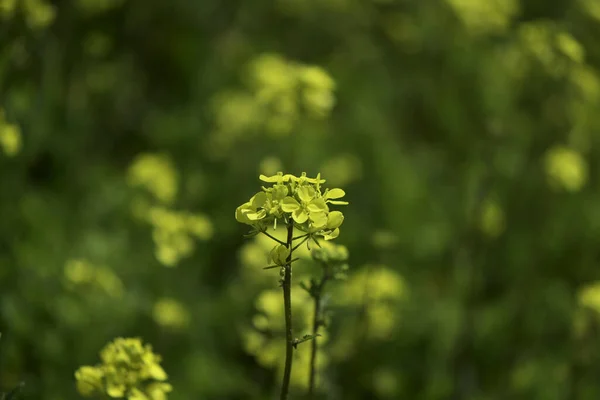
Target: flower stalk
x,y
287,304
301,203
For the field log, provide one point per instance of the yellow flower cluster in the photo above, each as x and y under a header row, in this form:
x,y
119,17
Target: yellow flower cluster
x,y
280,93
10,136
173,231
82,273
38,13
128,369
266,338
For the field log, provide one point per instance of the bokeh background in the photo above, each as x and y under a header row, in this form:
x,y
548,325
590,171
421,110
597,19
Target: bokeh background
x,y
464,132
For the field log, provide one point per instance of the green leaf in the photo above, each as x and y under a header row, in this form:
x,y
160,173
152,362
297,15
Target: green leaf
x,y
334,194
289,204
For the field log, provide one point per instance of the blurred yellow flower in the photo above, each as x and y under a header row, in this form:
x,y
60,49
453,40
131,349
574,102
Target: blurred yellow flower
x,y
589,296
38,13
566,168
10,139
170,313
485,17
492,220
82,272
156,174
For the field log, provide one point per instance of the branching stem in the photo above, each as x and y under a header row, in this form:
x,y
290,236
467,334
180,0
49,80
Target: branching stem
x,y
275,239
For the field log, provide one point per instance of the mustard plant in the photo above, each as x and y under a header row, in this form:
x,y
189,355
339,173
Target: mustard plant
x,y
301,204
129,370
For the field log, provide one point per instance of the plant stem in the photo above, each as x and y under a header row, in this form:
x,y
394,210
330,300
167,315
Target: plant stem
x,y
317,322
275,239
287,304
313,350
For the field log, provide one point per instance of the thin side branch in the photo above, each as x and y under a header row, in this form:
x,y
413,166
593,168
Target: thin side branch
x,y
274,238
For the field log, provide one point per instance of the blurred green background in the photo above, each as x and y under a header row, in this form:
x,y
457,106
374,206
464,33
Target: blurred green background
x,y
464,132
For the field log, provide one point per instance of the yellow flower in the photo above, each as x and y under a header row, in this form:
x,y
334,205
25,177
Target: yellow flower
x,y
89,380
566,168
169,312
10,139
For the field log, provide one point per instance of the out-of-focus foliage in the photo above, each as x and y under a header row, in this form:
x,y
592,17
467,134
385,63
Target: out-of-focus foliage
x,y
465,134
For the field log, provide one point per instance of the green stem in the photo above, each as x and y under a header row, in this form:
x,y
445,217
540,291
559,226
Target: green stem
x,y
287,304
317,322
300,244
313,350
275,239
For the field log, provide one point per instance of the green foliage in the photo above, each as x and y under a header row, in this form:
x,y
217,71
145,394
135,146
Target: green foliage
x,y
464,130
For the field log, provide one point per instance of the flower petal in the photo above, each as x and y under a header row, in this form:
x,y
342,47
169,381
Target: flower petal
x,y
334,194
306,193
332,235
319,219
257,215
317,205
289,204
338,202
334,219
271,179
300,216
259,200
